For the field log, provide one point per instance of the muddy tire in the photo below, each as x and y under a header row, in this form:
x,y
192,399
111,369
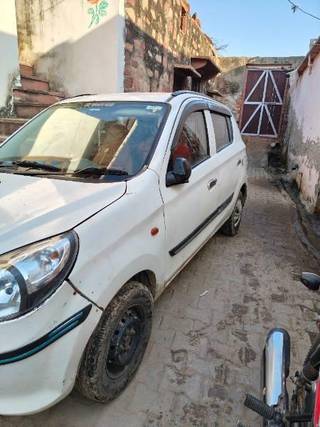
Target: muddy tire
x,y
232,226
116,348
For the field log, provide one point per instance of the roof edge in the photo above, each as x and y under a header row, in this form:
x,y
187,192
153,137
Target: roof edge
x,y
310,57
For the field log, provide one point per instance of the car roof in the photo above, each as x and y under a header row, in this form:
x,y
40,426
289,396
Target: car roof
x,y
166,97
128,96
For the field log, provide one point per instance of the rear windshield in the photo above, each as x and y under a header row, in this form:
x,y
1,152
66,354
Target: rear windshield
x,y
75,137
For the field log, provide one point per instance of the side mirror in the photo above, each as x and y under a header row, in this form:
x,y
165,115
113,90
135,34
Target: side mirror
x,y
180,173
311,281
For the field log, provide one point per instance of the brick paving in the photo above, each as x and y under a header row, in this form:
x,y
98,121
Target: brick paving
x,y
205,350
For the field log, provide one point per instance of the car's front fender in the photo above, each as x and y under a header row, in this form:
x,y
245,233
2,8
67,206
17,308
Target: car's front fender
x,y
117,243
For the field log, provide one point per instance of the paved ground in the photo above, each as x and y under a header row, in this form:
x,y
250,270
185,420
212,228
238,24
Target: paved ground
x,y
205,350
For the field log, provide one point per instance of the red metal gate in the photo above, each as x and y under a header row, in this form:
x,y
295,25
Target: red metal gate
x,y
263,100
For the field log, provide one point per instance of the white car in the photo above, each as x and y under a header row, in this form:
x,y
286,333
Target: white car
x,y
103,200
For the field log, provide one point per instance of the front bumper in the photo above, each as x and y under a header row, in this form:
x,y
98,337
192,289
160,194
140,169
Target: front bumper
x,y
41,351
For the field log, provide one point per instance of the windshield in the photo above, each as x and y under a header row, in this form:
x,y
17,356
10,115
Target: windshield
x,y
86,137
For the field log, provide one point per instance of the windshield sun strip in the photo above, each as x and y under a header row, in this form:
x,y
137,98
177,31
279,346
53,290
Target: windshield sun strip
x,y
162,119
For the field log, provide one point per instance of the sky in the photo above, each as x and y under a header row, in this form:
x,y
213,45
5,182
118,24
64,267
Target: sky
x,y
258,27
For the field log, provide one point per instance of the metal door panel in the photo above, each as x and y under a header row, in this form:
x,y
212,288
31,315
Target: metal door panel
x,y
263,101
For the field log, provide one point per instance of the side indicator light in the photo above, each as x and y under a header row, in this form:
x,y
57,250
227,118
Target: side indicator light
x,y
154,231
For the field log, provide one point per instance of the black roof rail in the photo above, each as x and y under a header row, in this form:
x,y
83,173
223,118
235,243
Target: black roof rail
x,y
80,94
189,92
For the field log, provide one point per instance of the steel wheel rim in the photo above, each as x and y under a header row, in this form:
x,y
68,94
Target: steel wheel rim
x,y
237,213
125,342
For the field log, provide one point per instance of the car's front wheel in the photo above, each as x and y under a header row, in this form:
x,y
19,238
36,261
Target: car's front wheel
x,y
232,226
116,348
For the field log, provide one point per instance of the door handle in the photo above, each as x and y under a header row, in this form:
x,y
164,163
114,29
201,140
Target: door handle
x,y
212,183
239,162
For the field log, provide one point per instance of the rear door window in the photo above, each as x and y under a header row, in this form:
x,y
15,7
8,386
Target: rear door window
x,y
223,130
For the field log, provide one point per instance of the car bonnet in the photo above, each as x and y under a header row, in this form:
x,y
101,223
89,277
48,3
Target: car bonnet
x,y
33,208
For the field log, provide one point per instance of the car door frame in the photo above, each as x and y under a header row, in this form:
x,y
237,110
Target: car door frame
x,y
184,112
229,158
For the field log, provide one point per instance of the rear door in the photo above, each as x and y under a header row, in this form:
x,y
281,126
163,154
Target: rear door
x,y
229,159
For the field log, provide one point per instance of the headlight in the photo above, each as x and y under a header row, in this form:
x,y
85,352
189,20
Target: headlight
x,y
31,274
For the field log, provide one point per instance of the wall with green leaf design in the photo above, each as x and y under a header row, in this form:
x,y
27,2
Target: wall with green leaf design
x,y
8,49
76,44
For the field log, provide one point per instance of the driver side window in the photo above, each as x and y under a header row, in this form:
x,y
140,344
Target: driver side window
x,y
193,143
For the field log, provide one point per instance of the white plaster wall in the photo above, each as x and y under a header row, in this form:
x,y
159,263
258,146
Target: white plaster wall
x,y
74,56
304,141
305,98
8,47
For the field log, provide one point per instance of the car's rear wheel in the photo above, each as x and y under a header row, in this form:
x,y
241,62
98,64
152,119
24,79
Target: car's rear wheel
x,y
232,226
116,348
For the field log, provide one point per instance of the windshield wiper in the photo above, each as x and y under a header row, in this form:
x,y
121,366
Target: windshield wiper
x,y
118,172
6,164
36,165
91,170
29,164
88,171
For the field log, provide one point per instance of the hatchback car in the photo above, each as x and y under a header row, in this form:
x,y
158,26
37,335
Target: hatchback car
x,y
103,200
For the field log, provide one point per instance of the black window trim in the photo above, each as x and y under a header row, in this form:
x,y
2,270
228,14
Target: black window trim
x,y
230,129
192,107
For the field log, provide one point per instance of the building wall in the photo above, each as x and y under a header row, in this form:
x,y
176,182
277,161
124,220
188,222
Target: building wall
x,y
303,133
8,49
155,42
230,83
76,44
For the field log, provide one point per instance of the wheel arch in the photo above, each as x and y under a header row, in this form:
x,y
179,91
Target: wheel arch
x,y
147,278
244,191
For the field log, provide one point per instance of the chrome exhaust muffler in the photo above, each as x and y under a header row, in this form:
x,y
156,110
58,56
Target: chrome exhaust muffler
x,y
276,369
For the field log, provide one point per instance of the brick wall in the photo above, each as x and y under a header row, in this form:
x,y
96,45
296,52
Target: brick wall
x,y
157,37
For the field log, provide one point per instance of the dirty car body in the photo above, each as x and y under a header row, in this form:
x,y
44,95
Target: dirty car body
x,y
98,192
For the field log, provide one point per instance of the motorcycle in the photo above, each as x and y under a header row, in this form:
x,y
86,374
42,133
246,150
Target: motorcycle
x,y
276,408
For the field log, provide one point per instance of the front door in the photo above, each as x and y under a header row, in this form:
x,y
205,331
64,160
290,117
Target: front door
x,y
189,207
263,101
